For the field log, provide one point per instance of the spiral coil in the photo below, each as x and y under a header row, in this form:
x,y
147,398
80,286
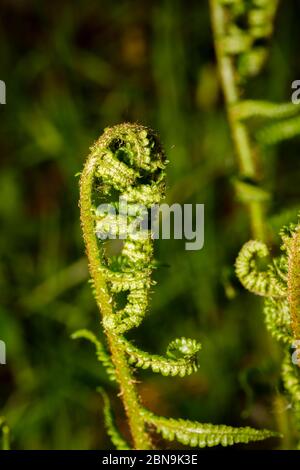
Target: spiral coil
x,y
130,167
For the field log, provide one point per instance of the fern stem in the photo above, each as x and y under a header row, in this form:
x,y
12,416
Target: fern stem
x,y
294,289
240,135
128,159
129,395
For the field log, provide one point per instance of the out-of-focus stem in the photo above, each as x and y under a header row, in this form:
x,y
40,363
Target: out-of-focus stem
x,y
240,135
5,434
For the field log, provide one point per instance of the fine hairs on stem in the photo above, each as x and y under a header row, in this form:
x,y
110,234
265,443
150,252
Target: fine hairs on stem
x,y
129,162
279,285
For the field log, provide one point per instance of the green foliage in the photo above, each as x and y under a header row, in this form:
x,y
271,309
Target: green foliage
x,y
101,353
246,44
109,421
283,121
266,283
241,30
239,43
201,435
282,317
123,157
279,131
291,379
151,62
181,358
127,162
279,283
247,109
291,382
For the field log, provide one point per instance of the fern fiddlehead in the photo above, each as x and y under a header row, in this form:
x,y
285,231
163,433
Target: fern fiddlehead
x,y
279,284
126,161
181,358
127,165
264,283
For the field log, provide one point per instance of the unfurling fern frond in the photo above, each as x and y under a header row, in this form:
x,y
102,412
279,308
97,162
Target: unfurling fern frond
x,y
101,353
196,434
279,283
126,167
181,358
241,30
260,282
282,313
282,219
109,421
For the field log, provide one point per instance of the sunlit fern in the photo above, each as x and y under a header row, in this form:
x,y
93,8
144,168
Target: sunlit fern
x,y
128,162
279,283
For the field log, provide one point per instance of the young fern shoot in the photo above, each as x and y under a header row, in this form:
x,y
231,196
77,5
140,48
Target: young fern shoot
x,y
128,164
242,29
279,285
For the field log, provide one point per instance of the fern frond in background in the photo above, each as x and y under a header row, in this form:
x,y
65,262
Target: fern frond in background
x,y
279,284
242,30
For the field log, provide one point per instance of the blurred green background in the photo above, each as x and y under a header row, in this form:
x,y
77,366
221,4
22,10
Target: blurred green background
x,y
72,69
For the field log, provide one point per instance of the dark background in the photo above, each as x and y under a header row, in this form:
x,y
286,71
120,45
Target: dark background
x,y
71,69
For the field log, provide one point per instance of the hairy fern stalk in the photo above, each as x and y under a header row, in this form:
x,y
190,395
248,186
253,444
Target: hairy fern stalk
x,y
129,162
242,30
279,284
